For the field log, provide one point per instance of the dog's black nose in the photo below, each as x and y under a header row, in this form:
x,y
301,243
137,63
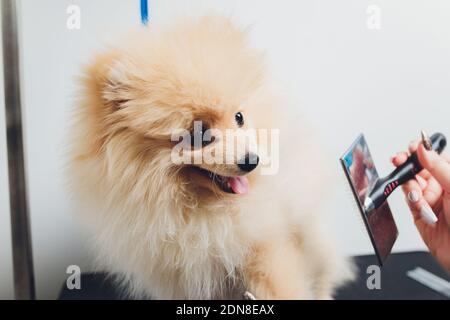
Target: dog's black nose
x,y
249,163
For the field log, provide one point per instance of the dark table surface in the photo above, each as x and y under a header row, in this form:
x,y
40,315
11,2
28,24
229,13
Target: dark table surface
x,y
394,282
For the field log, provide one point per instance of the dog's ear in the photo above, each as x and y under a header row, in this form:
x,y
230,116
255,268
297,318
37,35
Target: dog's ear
x,y
118,84
111,77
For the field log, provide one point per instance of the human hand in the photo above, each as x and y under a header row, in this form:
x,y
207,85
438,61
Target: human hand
x,y
427,195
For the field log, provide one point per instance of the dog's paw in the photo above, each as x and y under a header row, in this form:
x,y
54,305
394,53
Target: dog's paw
x,y
248,296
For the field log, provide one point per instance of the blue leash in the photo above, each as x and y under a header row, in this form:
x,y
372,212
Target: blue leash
x,y
144,12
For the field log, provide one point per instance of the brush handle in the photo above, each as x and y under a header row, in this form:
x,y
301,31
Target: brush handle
x,y
403,173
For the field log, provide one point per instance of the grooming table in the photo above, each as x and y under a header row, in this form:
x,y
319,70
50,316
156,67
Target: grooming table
x,y
395,284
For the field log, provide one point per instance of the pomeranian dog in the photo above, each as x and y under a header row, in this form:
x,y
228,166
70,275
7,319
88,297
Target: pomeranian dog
x,y
175,229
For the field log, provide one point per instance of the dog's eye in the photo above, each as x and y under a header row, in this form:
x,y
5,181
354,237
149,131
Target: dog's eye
x,y
239,119
201,137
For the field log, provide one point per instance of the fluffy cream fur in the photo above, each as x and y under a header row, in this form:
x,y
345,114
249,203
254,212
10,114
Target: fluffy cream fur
x,y
168,231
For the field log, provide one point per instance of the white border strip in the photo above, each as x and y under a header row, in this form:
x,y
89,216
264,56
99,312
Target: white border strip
x,y
430,280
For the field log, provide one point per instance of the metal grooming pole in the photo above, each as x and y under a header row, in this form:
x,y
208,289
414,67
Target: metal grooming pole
x,y
20,226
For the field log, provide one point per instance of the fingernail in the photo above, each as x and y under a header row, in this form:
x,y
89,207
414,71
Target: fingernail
x,y
395,156
413,196
426,141
428,215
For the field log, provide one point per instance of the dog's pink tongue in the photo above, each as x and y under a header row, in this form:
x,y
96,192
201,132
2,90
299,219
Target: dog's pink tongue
x,y
239,185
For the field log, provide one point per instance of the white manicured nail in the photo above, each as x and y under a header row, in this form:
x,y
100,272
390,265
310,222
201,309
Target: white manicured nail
x,y
413,196
428,215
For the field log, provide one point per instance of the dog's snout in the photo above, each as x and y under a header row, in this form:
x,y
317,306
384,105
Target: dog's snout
x,y
249,163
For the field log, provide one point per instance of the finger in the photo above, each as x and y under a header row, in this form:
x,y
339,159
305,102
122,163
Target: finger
x,y
420,209
413,146
399,158
408,187
446,204
433,192
446,156
425,174
436,165
422,182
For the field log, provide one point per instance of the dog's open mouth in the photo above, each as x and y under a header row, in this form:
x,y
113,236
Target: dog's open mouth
x,y
236,185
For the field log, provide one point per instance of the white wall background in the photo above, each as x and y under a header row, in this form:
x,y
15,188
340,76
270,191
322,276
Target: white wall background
x,y
347,79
